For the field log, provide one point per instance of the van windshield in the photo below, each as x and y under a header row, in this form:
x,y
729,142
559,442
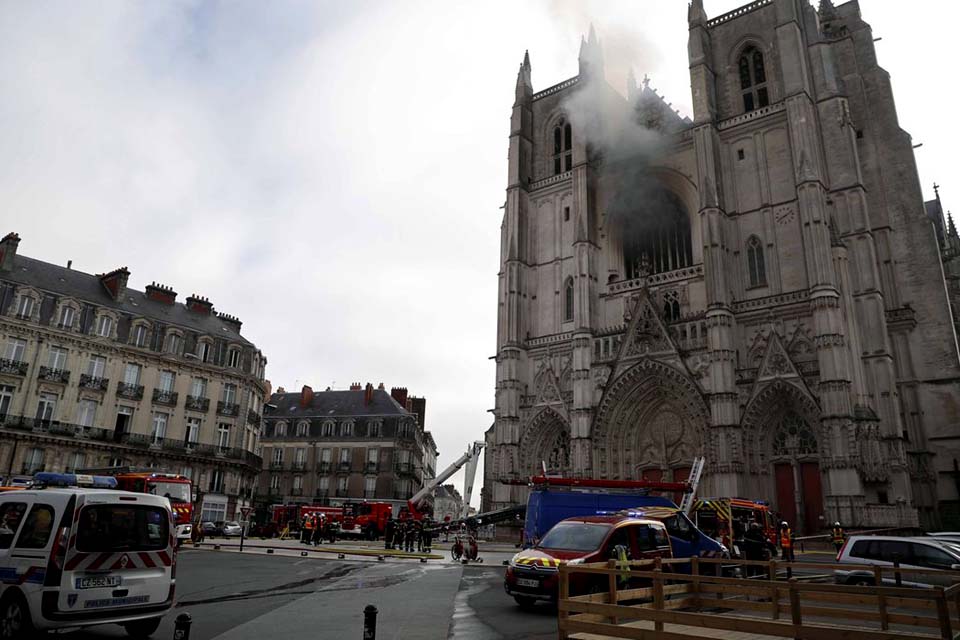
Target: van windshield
x,y
121,527
575,536
176,491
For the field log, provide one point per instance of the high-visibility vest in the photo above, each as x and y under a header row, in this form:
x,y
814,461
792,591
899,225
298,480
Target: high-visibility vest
x,y
623,563
308,524
838,535
786,538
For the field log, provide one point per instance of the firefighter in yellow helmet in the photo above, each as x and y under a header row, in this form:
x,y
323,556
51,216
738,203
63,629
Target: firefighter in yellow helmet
x,y
837,536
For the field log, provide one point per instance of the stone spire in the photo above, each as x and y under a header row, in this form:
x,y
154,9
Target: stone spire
x,y
631,85
827,11
524,90
591,55
696,14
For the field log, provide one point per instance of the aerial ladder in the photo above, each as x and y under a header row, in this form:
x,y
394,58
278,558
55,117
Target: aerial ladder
x,y
470,459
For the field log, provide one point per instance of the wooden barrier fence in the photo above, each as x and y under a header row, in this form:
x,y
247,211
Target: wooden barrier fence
x,y
766,605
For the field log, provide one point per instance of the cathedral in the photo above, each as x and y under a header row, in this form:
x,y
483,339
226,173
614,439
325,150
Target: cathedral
x,y
761,285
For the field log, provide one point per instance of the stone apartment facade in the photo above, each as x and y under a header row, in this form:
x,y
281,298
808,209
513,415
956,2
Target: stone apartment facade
x,y
447,503
759,285
329,447
95,374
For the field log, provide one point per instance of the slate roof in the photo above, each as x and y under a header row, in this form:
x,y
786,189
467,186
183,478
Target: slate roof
x,y
335,404
88,288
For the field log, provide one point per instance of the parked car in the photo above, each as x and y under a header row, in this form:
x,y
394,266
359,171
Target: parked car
x,y
231,528
212,529
533,573
911,553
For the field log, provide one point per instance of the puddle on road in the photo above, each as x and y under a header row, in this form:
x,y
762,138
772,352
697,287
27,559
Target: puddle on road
x,y
466,623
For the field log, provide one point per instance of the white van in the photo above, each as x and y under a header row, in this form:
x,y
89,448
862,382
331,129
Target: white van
x,y
75,555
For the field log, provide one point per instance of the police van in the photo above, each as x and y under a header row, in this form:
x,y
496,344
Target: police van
x,y
75,553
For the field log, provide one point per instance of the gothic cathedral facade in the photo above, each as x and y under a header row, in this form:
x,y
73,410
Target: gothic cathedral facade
x,y
759,285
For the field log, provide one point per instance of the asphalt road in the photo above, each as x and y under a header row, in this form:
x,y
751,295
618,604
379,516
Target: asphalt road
x,y
255,595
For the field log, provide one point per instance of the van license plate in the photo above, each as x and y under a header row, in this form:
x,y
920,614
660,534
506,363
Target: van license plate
x,y
524,582
98,582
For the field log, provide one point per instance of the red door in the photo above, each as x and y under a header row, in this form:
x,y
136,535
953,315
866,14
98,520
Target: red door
x,y
783,473
654,475
812,497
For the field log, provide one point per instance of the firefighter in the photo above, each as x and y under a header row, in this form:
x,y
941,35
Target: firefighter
x,y
388,532
319,524
838,536
753,546
419,534
306,530
411,536
786,542
427,538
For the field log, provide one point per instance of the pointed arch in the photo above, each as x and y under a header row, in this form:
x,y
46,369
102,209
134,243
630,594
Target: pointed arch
x,y
652,417
756,267
546,438
752,76
568,299
766,413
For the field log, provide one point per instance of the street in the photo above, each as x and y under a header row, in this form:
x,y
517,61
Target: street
x,y
256,595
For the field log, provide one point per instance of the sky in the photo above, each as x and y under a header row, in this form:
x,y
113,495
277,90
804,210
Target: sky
x,y
332,172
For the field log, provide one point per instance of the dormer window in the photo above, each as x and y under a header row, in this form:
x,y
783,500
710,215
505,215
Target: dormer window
x,y
68,315
25,307
174,343
104,326
562,147
139,335
203,351
233,358
753,79
280,430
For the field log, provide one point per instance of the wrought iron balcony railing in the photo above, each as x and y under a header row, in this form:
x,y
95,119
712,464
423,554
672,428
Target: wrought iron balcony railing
x,y
90,382
228,408
13,367
130,391
324,467
253,417
197,403
54,375
165,397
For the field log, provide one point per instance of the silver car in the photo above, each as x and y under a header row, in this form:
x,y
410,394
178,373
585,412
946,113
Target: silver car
x,y
911,553
231,529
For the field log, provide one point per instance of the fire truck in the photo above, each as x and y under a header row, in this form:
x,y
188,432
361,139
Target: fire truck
x,y
728,518
470,458
284,515
367,519
178,489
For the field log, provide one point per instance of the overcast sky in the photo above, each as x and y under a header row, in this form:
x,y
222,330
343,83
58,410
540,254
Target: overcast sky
x,y
332,172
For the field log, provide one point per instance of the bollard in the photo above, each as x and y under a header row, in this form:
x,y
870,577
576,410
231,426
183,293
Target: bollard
x,y
423,560
303,554
369,622
340,556
269,550
216,547
181,628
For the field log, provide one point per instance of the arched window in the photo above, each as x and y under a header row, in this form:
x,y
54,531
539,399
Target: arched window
x,y
758,272
568,300
656,235
562,147
753,79
671,306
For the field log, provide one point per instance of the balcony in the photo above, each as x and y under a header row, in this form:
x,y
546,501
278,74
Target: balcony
x,y
168,398
299,465
341,493
130,391
369,494
253,417
371,467
276,465
324,467
196,403
13,367
343,467
403,468
61,376
296,492
228,408
90,382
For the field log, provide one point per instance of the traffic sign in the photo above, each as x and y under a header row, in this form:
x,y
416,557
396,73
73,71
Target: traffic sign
x,y
245,511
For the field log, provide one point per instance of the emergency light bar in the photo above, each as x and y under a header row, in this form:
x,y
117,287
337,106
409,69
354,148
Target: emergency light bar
x,y
48,479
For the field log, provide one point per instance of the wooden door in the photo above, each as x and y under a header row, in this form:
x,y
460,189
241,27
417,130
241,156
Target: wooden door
x,y
786,505
812,497
654,475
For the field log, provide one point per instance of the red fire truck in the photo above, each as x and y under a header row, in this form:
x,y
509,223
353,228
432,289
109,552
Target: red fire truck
x,y
178,489
284,515
367,519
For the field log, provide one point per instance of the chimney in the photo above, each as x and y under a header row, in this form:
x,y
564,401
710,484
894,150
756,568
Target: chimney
x,y
8,251
69,264
199,304
161,293
115,282
231,321
281,390
400,395
368,394
380,387
355,386
306,397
